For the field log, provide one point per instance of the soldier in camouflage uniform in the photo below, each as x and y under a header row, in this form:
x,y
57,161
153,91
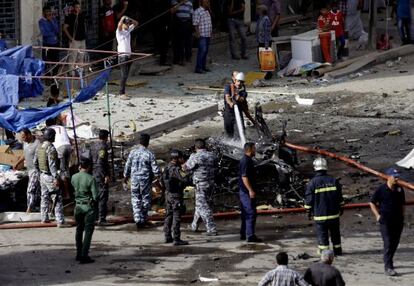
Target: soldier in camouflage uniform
x,y
141,167
203,164
46,162
101,174
174,181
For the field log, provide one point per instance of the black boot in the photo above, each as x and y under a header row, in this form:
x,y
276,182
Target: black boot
x,y
179,242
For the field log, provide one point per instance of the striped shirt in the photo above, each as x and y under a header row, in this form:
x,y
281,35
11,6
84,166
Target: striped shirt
x,y
185,10
282,276
202,19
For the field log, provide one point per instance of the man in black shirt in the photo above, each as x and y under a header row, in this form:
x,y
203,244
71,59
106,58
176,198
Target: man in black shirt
x,y
323,273
236,24
387,204
107,26
75,31
247,193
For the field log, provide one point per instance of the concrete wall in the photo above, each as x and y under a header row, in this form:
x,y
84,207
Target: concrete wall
x,y
30,13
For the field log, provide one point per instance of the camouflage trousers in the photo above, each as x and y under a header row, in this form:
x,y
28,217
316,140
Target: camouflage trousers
x,y
204,206
33,189
50,197
141,201
174,203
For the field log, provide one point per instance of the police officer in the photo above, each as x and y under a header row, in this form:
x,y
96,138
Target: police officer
x,y
324,202
203,164
101,174
235,93
86,196
141,167
387,204
174,181
247,194
46,162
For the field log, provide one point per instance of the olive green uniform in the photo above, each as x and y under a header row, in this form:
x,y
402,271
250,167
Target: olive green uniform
x,y
86,196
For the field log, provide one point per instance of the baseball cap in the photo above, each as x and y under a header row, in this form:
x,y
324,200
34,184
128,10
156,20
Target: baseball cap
x,y
392,172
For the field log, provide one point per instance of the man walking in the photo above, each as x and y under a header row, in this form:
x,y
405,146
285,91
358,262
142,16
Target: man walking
x,y
174,182
101,174
123,36
236,25
387,204
47,163
247,194
33,188
404,19
204,28
324,202
86,197
282,275
49,28
323,273
141,167
203,164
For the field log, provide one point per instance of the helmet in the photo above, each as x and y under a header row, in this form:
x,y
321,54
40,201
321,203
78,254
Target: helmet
x,y
175,154
320,164
49,135
240,76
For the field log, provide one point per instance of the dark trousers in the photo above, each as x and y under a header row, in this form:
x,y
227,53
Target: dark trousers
x,y
230,124
124,72
103,195
172,219
182,41
248,215
340,43
237,26
51,56
203,44
85,223
162,41
404,28
391,234
328,228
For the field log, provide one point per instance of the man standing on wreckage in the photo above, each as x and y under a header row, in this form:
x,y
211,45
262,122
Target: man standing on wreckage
x,y
235,94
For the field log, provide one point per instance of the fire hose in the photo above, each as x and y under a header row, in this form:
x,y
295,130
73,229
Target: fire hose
x,y
235,214
349,162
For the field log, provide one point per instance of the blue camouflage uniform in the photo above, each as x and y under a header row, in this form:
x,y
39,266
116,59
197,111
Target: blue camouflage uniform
x,y
141,167
46,162
203,164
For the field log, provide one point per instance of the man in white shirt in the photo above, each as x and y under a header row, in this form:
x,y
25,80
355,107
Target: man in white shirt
x,y
64,149
123,36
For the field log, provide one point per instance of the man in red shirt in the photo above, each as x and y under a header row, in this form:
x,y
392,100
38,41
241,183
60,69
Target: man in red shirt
x,y
324,27
337,23
107,27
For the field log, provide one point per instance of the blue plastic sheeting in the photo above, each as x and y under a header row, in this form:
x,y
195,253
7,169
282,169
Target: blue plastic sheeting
x,y
9,90
19,61
15,120
92,89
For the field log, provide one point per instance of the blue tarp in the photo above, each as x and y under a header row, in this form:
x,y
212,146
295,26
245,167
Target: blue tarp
x,y
19,61
9,90
15,120
92,89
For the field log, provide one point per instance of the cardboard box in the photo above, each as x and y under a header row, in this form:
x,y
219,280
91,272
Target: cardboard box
x,y
11,157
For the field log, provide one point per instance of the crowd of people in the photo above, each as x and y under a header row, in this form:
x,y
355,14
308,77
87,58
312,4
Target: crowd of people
x,y
47,158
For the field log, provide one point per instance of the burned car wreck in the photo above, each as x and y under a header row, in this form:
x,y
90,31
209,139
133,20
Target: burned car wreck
x,y
279,183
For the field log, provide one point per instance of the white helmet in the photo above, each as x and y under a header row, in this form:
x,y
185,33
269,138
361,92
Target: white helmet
x,y
320,164
240,76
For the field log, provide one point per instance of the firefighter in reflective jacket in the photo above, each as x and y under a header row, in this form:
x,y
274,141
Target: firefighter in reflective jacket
x,y
324,202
